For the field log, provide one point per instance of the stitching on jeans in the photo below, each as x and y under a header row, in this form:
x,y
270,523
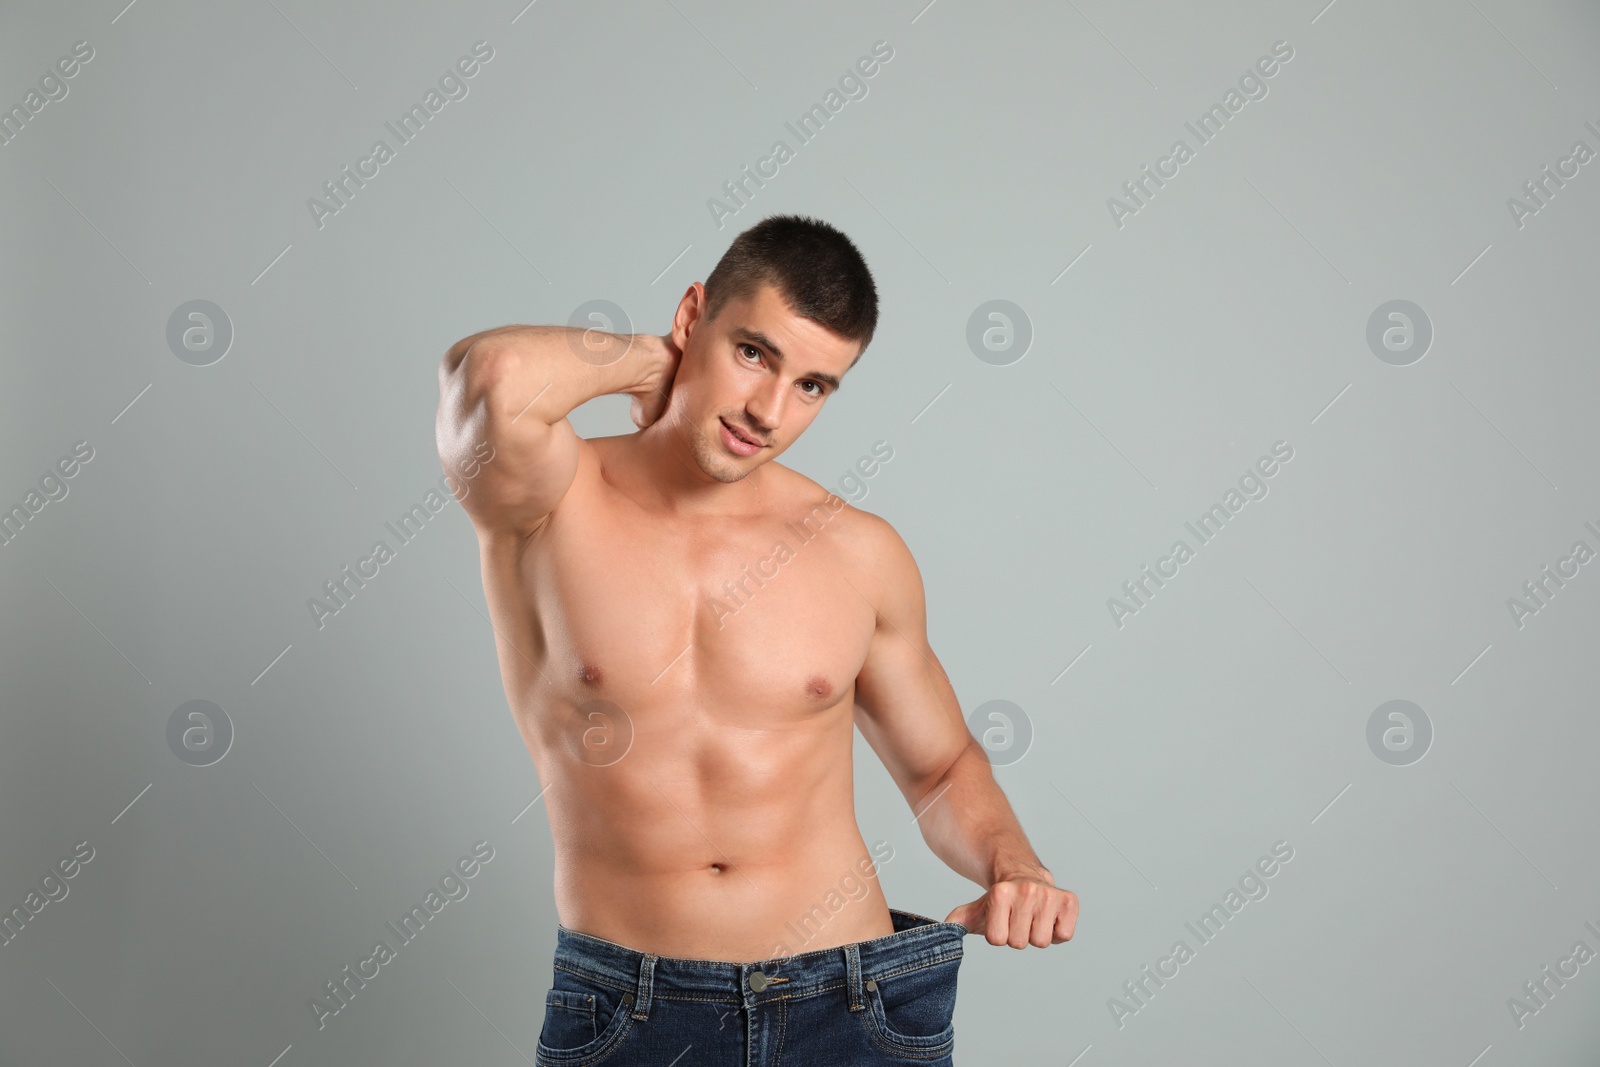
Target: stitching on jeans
x,y
917,967
598,1054
938,1052
702,1000
852,978
888,1043
657,994
830,987
783,1026
801,996
647,974
595,978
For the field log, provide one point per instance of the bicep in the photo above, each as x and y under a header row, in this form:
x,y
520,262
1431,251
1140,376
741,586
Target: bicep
x,y
906,707
512,466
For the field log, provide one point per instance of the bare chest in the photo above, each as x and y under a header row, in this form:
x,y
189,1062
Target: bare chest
x,y
757,623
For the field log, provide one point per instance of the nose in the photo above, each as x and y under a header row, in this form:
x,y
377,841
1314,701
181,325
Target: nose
x,y
765,408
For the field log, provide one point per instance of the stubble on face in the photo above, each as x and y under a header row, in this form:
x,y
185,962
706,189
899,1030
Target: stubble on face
x,y
712,458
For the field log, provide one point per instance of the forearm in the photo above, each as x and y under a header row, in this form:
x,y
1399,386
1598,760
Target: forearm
x,y
544,372
968,823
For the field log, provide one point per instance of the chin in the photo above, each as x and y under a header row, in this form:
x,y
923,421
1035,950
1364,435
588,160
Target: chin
x,y
728,469
728,477
709,457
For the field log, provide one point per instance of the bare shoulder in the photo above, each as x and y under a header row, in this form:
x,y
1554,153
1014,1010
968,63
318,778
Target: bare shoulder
x,y
868,543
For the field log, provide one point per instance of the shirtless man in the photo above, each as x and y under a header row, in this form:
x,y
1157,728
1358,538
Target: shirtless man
x,y
689,634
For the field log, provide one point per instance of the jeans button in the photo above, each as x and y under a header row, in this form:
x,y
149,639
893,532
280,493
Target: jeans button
x,y
758,981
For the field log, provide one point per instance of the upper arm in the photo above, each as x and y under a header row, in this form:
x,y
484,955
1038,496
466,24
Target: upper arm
x,y
906,707
515,466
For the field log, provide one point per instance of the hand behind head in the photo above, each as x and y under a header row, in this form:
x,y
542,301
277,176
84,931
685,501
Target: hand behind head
x,y
651,401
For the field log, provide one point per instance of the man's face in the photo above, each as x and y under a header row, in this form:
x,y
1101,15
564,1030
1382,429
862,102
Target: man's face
x,y
758,372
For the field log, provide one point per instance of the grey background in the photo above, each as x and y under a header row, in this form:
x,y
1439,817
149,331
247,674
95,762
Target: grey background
x,y
1229,313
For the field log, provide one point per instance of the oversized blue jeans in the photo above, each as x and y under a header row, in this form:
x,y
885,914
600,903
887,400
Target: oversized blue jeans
x,y
887,1000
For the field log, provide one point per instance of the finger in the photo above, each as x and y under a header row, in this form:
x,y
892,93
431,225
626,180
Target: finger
x,y
997,929
1044,925
1067,919
1017,916
1024,906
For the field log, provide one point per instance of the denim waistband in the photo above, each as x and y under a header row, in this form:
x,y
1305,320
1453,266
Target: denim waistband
x,y
917,941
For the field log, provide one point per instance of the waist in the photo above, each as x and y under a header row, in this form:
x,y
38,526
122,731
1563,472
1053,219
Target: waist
x,y
917,941
821,898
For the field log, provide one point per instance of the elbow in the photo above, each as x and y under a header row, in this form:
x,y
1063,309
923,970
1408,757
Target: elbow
x,y
467,374
940,778
455,355
478,356
972,755
473,369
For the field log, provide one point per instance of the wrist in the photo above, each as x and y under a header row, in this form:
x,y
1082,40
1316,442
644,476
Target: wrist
x,y
652,362
1027,869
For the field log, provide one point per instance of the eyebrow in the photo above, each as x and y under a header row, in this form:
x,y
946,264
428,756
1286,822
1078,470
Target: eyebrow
x,y
759,338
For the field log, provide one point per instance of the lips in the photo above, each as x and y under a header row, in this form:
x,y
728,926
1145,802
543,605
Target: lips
x,y
738,436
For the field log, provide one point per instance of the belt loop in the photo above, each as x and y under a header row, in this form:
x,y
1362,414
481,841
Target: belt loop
x,y
852,976
647,967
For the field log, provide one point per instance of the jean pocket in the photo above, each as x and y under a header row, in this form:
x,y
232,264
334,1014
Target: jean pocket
x,y
584,1022
913,1012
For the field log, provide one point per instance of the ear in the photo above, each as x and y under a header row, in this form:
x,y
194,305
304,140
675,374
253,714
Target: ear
x,y
691,312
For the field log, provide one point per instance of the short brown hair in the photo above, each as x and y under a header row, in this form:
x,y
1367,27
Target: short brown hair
x,y
817,269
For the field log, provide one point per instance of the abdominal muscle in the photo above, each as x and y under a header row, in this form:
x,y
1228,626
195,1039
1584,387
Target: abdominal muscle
x,y
707,841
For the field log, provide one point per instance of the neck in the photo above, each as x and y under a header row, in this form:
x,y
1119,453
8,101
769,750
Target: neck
x,y
661,473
